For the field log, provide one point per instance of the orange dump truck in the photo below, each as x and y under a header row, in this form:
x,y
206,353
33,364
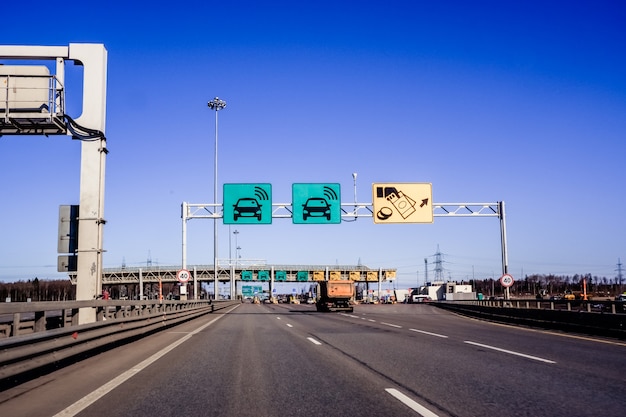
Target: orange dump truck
x,y
334,295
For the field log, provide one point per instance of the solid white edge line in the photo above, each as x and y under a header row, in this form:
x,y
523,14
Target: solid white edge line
x,y
418,408
94,396
510,352
315,342
429,333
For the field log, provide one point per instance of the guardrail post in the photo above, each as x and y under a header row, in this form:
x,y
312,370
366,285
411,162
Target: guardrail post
x,y
40,321
15,329
100,313
74,315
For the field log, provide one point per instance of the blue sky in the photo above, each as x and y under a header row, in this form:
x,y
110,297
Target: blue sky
x,y
488,101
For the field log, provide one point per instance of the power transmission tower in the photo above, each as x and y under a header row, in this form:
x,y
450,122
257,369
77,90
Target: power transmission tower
x,y
619,274
439,266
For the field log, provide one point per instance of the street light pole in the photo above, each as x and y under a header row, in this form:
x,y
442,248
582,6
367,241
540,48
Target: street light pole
x,y
355,207
236,232
217,105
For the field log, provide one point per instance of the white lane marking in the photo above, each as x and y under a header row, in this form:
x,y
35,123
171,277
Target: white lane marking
x,y
278,318
429,333
315,342
94,396
418,408
289,325
510,352
392,325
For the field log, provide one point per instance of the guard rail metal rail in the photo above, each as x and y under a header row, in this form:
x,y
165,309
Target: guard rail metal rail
x,y
594,317
37,335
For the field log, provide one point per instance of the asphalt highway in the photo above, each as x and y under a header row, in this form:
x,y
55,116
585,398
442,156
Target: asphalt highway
x,y
380,360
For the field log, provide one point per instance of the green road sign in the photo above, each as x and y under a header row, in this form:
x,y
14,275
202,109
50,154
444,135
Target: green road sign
x,y
280,276
246,275
316,203
250,290
247,203
263,275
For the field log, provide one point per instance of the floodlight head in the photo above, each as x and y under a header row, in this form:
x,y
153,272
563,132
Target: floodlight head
x,y
216,104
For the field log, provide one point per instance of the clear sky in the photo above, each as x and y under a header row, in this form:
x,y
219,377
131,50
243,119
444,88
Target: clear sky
x,y
521,102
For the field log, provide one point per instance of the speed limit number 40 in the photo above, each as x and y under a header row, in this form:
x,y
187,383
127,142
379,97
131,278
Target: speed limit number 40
x,y
506,280
183,275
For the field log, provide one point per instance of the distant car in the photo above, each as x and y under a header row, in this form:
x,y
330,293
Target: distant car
x,y
421,299
316,207
621,298
247,207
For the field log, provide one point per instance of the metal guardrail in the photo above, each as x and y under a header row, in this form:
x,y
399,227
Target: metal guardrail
x,y
37,335
599,318
598,306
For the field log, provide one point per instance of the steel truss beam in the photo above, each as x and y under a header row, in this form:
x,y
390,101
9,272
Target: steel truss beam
x,y
350,210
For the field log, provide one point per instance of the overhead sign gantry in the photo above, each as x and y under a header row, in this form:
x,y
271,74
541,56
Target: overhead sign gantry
x,y
32,103
320,204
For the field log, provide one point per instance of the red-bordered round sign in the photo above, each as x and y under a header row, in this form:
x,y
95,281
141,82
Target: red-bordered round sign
x,y
183,276
506,280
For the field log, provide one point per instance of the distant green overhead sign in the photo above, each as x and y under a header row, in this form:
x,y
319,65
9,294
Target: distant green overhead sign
x,y
316,203
250,290
247,204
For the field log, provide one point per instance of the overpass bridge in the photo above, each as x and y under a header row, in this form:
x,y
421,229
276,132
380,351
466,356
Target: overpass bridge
x,y
242,272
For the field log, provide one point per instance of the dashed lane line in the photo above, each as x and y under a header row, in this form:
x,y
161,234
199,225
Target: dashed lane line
x,y
510,352
418,408
314,341
429,333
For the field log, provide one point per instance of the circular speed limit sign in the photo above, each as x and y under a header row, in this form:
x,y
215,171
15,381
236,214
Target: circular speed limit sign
x,y
183,275
506,280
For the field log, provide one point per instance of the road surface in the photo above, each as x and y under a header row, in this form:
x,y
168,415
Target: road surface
x,y
381,360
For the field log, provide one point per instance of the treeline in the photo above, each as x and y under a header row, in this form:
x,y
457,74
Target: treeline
x,y
37,290
552,284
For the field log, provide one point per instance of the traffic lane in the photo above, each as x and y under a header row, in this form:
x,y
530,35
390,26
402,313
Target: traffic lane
x,y
592,355
53,392
468,379
248,364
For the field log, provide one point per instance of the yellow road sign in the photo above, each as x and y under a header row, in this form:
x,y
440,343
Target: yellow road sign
x,y
402,202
